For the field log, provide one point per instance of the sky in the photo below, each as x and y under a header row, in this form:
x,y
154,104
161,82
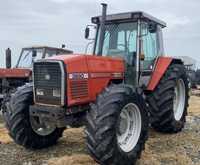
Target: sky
x,y
55,22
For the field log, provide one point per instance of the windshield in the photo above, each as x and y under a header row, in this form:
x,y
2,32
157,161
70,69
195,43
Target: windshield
x,y
28,56
120,40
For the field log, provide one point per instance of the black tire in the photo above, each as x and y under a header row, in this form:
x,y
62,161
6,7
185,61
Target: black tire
x,y
17,121
1,103
6,98
102,123
5,114
161,101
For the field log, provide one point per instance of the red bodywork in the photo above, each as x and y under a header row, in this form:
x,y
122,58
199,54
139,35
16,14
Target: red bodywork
x,y
14,73
160,68
100,70
88,75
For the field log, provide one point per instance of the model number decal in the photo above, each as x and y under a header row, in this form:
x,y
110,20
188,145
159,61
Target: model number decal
x,y
77,76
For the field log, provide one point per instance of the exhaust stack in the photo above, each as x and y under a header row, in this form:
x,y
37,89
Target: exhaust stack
x,y
102,28
8,58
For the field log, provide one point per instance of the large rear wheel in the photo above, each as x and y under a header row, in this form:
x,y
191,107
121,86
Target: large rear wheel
x,y
117,126
168,103
27,131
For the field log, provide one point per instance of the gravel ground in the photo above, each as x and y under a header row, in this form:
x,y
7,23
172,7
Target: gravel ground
x,y
161,149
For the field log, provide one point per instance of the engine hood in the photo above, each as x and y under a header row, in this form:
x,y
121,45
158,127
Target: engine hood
x,y
88,75
91,63
67,58
14,73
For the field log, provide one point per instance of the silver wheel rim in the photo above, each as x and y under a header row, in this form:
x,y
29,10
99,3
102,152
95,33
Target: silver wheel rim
x,y
129,127
40,127
179,99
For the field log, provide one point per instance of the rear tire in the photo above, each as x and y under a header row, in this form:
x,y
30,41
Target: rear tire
x,y
17,120
107,141
168,103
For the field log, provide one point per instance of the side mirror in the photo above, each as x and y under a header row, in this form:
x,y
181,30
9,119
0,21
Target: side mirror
x,y
153,28
90,31
34,53
87,32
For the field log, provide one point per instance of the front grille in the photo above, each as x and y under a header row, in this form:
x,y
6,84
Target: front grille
x,y
48,77
79,89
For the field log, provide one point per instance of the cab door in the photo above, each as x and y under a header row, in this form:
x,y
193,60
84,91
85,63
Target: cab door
x,y
151,48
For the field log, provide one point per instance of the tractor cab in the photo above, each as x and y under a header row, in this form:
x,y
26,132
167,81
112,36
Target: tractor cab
x,y
31,54
135,36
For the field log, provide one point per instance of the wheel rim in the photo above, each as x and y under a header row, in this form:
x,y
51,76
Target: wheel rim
x,y
41,127
129,127
179,99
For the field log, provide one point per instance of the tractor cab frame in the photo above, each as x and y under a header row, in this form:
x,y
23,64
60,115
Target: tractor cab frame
x,y
134,36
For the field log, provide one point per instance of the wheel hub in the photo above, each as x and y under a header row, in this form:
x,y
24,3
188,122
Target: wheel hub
x,y
41,126
129,127
179,99
123,125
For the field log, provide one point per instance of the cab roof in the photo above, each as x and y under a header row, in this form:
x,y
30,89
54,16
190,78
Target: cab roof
x,y
50,48
129,16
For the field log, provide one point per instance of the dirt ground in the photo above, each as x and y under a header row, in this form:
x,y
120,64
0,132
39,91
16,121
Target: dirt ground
x,y
161,149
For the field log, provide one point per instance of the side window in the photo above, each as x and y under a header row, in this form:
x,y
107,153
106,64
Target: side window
x,y
150,49
131,41
26,59
121,41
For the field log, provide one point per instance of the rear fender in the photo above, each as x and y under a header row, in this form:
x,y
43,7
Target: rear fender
x,y
161,67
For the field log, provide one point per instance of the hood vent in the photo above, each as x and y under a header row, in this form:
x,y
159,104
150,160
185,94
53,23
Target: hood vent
x,y
79,89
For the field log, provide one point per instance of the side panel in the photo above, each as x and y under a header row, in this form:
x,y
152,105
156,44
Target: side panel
x,y
160,68
102,70
89,75
77,84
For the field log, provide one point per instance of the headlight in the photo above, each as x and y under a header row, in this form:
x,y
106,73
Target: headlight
x,y
39,92
56,93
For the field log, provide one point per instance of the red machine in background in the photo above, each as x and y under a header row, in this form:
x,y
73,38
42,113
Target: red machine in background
x,y
11,78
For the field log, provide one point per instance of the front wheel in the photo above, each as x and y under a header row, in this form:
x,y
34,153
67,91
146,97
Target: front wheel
x,y
117,126
25,130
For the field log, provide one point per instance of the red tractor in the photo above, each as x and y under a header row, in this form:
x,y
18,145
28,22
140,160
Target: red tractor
x,y
114,92
11,78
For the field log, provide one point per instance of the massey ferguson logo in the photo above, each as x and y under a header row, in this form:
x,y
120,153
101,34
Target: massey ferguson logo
x,y
77,76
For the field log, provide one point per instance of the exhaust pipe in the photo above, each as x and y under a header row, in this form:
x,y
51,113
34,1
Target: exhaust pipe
x,y
8,58
102,28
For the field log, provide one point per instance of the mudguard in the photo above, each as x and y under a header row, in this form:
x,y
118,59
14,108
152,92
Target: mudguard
x,y
160,68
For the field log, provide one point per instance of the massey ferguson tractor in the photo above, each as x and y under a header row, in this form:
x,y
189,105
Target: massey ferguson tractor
x,y
116,92
10,79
